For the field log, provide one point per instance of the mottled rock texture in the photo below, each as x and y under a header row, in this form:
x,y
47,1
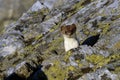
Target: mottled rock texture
x,y
11,10
32,48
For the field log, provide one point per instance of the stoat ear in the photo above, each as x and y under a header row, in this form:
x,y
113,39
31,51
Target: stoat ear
x,y
74,27
62,27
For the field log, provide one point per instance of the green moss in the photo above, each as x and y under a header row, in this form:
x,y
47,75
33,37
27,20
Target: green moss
x,y
85,2
101,61
60,71
116,45
54,45
56,72
95,58
86,32
39,37
36,16
67,56
75,8
117,70
55,27
78,6
80,65
43,11
114,57
35,13
71,68
105,27
51,46
98,60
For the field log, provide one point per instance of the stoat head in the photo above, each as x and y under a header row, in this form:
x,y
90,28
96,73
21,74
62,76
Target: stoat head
x,y
68,30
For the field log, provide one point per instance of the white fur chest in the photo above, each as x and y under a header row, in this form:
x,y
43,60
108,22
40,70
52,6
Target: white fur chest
x,y
70,43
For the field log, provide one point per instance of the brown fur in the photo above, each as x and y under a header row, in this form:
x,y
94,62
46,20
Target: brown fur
x,y
68,29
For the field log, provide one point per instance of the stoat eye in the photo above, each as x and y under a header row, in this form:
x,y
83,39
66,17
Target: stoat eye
x,y
65,32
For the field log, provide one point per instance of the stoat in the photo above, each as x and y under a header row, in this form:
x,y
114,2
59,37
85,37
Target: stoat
x,y
69,34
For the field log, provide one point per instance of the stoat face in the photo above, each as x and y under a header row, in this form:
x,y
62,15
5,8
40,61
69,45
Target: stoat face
x,y
68,30
69,34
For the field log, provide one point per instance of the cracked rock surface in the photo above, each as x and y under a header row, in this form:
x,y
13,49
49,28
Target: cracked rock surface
x,y
32,48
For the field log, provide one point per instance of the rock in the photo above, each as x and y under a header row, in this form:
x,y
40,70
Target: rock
x,y
11,43
11,10
101,74
32,48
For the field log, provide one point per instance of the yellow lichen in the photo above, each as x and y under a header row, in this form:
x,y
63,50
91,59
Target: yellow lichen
x,y
67,56
43,11
117,70
54,45
105,27
86,32
51,30
75,8
95,58
79,5
71,68
100,60
77,61
114,57
56,72
80,65
116,45
38,37
55,27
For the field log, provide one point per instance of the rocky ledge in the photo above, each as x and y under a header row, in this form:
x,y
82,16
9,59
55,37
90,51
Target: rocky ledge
x,y
32,47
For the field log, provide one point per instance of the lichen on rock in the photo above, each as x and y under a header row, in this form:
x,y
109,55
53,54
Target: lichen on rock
x,y
32,48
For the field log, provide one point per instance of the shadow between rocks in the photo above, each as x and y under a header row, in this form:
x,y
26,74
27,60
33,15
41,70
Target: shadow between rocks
x,y
37,74
14,76
90,41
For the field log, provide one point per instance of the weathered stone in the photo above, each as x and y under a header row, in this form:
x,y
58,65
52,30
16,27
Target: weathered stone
x,y
11,10
33,49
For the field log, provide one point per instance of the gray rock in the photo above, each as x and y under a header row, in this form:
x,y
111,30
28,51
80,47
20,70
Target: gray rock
x,y
32,48
101,74
11,10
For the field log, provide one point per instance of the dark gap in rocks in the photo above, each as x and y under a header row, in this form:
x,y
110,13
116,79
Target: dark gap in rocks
x,y
14,76
86,20
108,2
19,28
103,18
29,67
90,41
68,10
43,18
95,23
79,56
105,77
86,70
70,76
29,42
54,52
16,61
73,77
114,17
38,74
111,69
86,2
82,72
